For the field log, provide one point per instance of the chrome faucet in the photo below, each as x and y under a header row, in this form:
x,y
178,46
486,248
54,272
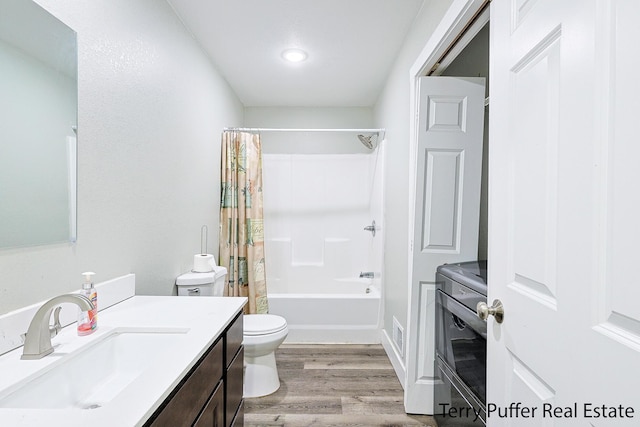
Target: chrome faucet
x,y
366,274
37,341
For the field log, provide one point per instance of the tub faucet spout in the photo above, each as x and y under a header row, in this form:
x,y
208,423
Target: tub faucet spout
x,y
366,274
37,341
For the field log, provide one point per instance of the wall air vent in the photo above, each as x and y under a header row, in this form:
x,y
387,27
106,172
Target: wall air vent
x,y
398,336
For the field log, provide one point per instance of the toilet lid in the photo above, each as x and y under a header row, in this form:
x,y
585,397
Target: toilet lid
x,y
192,278
261,324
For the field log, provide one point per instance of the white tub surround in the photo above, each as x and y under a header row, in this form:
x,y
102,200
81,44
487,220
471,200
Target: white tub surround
x,y
317,207
200,321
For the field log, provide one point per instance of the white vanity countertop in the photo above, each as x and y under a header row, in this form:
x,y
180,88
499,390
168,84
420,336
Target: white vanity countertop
x,y
205,318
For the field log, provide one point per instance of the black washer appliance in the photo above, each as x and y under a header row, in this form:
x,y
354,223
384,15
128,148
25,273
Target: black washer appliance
x,y
461,345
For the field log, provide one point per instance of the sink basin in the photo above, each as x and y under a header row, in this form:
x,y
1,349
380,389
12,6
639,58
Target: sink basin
x,y
91,377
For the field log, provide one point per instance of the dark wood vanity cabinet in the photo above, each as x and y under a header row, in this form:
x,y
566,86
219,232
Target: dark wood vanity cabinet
x,y
234,364
213,413
211,393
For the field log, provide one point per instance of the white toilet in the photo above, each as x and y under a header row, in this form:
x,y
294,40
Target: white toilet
x,y
262,335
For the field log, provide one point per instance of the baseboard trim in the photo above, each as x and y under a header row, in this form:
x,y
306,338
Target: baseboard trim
x,y
324,334
394,357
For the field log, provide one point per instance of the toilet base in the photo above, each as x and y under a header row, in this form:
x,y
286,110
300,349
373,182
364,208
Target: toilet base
x,y
260,375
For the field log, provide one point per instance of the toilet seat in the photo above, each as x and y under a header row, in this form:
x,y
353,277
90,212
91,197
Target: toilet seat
x,y
263,324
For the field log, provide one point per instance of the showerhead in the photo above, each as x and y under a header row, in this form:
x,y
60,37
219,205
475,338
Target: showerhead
x,y
366,141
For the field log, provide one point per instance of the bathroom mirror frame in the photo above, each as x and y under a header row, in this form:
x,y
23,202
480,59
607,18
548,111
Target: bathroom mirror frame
x,y
38,116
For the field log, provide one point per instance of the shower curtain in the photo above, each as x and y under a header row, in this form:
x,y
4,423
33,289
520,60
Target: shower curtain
x,y
241,220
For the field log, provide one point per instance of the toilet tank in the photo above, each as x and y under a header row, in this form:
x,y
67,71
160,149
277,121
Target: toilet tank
x,y
202,284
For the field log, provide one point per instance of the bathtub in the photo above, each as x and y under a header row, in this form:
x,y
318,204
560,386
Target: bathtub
x,y
347,311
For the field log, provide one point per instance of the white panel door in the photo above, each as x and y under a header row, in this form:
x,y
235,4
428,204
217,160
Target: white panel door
x,y
564,206
447,203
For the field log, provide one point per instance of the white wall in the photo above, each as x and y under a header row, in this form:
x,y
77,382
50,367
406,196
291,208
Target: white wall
x,y
151,109
392,112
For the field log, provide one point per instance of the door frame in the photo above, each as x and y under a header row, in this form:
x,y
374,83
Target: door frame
x,y
418,383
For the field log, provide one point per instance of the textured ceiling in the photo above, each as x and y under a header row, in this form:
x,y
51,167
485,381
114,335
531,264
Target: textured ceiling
x,y
351,44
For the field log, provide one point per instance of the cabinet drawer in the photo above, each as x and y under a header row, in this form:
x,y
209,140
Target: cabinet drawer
x,y
234,384
213,413
183,407
234,339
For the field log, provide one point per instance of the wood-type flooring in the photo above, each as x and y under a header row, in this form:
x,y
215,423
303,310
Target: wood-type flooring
x,y
333,385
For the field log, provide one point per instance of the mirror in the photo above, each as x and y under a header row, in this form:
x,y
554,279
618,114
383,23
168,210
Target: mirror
x,y
38,118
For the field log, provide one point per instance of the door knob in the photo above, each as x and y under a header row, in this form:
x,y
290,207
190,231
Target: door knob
x,y
496,310
371,228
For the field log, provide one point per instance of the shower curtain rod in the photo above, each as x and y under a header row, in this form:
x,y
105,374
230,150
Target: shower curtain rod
x,y
378,131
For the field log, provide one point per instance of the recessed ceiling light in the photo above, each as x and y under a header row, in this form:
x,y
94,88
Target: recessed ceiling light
x,y
294,55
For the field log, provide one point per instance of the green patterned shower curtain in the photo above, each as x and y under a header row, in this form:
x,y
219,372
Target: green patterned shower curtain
x,y
242,221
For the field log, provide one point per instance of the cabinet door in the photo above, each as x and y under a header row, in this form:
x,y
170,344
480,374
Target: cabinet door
x,y
239,419
213,413
184,405
233,339
235,382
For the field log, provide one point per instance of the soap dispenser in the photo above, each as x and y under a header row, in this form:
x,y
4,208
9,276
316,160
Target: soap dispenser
x,y
88,320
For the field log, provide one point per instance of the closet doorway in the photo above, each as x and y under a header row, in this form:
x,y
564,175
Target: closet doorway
x,y
467,57
471,59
